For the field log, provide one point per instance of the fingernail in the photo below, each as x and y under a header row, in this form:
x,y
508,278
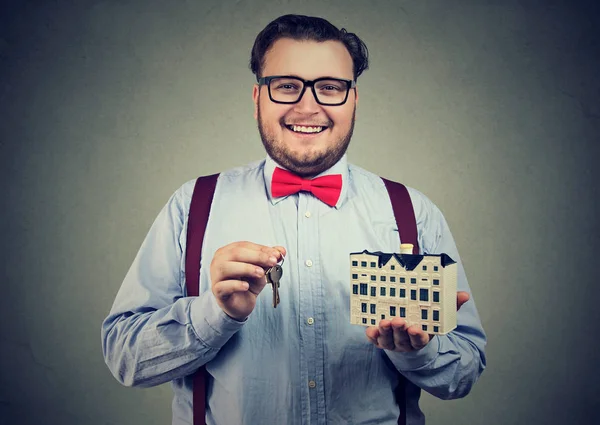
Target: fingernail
x,y
259,271
273,260
245,285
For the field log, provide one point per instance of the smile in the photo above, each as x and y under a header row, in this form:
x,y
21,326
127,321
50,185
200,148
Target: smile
x,y
305,129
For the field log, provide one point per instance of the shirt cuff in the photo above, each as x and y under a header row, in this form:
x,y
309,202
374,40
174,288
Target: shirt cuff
x,y
211,324
414,360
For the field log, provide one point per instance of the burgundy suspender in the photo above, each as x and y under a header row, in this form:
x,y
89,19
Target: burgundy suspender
x,y
404,213
407,228
197,220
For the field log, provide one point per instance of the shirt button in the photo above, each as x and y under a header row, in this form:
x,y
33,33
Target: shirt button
x,y
310,320
307,214
312,384
308,263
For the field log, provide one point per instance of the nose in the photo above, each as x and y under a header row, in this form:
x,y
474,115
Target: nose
x,y
307,103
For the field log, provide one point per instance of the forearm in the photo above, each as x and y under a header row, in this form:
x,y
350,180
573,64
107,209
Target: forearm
x,y
148,348
448,366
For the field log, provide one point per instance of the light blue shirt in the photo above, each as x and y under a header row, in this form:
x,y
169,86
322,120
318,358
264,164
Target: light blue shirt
x,y
302,362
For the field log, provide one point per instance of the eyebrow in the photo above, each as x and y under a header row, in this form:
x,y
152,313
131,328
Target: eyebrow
x,y
325,76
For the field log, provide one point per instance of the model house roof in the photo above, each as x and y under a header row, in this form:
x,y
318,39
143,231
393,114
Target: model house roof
x,y
408,261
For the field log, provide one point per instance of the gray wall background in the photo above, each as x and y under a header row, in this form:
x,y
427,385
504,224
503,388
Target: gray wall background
x,y
489,108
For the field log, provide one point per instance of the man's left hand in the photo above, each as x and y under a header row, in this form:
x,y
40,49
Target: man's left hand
x,y
396,335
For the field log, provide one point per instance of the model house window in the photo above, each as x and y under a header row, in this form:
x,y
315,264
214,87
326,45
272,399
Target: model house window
x,y
402,293
402,280
382,278
354,263
392,292
373,306
373,321
393,267
373,264
363,289
435,268
363,264
373,291
382,291
373,277
436,281
436,328
413,294
436,297
402,311
413,280
355,289
423,314
363,307
436,315
392,278
392,310
354,276
364,320
382,316
424,268
424,327
424,294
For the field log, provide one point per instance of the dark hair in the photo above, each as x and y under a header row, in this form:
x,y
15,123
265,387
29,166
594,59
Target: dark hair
x,y
300,27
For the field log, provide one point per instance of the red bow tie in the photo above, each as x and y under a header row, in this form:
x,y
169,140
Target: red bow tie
x,y
326,188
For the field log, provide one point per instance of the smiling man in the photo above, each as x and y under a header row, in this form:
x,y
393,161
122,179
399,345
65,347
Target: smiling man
x,y
301,362
306,103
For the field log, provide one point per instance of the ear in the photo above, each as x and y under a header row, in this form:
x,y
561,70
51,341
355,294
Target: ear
x,y
355,101
255,92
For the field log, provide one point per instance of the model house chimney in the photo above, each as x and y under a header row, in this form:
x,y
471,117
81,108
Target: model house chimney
x,y
406,248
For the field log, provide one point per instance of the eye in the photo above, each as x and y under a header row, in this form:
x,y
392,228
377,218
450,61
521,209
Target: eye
x,y
287,86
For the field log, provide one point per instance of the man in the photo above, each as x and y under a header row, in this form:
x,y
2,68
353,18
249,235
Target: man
x,y
302,362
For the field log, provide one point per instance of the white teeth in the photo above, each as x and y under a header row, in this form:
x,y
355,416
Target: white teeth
x,y
303,129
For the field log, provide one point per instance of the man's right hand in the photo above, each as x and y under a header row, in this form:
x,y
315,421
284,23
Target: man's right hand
x,y
238,275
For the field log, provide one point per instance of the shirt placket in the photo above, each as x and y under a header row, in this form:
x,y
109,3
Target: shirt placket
x,y
311,312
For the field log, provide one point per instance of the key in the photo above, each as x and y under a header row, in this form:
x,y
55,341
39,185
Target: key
x,y
273,277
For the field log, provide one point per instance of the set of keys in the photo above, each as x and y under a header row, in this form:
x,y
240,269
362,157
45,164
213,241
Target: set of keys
x,y
273,275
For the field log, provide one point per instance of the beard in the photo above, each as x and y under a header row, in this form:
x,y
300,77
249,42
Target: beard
x,y
306,164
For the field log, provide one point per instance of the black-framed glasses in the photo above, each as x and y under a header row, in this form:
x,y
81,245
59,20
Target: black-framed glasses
x,y
288,89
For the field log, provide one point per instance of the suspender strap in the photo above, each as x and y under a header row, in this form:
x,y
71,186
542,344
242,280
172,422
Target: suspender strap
x,y
404,213
197,220
407,228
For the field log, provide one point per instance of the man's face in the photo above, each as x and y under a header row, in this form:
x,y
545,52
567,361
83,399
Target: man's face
x,y
304,153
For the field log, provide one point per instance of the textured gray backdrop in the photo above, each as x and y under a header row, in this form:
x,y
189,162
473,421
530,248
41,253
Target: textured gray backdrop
x,y
490,108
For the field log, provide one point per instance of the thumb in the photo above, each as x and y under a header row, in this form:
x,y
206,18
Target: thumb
x,y
461,298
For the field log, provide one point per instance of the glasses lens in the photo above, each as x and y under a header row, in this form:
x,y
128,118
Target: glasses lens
x,y
286,89
331,92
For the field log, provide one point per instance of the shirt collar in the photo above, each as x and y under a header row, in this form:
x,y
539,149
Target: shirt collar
x,y
340,167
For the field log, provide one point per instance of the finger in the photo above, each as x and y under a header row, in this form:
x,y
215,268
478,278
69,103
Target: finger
x,y
226,288
249,252
418,338
401,338
372,333
258,284
461,298
281,250
235,270
386,335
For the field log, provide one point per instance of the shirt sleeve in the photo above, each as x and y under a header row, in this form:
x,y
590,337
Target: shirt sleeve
x,y
449,365
154,333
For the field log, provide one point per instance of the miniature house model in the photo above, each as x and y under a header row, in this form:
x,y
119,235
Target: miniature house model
x,y
419,288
